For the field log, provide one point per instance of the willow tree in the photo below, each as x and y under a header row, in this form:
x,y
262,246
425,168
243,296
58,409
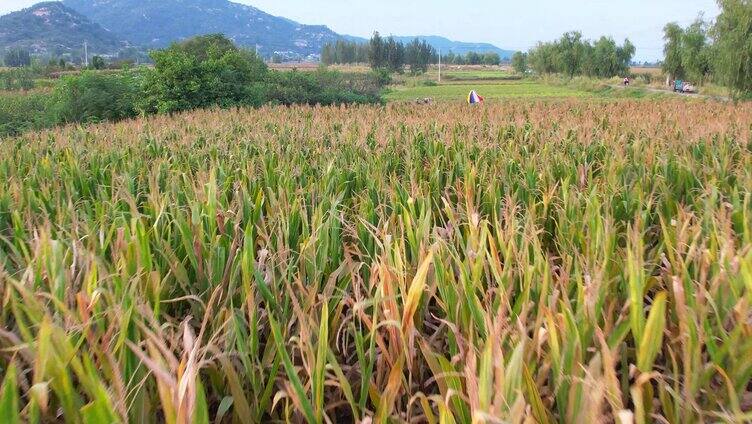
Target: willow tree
x,y
673,34
733,46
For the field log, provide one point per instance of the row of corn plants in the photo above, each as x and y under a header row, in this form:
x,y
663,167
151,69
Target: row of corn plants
x,y
559,261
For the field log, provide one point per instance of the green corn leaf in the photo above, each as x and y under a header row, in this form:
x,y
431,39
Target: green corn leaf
x,y
292,374
9,408
652,340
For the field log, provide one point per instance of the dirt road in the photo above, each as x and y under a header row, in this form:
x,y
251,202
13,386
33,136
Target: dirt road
x,y
661,91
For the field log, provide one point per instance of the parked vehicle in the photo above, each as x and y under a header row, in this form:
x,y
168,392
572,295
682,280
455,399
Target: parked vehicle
x,y
684,87
688,88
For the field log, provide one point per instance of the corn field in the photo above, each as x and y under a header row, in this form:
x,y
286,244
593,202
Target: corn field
x,y
570,261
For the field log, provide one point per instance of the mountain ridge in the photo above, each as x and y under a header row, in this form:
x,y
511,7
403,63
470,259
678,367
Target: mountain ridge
x,y
110,25
157,23
52,28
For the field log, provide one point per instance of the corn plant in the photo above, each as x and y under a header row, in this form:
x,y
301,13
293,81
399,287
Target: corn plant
x,y
532,261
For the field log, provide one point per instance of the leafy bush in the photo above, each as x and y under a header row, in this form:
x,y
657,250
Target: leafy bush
x,y
201,72
322,87
210,71
98,63
381,76
93,97
19,113
17,79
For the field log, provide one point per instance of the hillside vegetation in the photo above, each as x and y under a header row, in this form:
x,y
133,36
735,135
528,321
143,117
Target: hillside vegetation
x,y
53,30
532,261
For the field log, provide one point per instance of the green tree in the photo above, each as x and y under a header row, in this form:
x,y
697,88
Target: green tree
x,y
473,58
673,35
544,59
491,59
520,62
205,47
625,54
571,53
696,52
605,60
97,62
418,55
377,52
202,72
345,52
328,55
395,55
17,58
732,33
362,52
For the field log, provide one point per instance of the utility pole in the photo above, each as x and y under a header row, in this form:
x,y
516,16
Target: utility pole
x,y
86,54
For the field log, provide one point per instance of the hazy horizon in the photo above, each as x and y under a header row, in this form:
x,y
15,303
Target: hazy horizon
x,y
506,24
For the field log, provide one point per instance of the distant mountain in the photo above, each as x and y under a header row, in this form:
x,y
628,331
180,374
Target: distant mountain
x,y
457,47
157,23
52,28
446,45
57,28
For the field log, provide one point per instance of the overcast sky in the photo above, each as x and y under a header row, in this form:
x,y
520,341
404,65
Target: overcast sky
x,y
510,24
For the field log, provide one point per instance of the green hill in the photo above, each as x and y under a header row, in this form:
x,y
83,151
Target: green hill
x,y
54,29
157,23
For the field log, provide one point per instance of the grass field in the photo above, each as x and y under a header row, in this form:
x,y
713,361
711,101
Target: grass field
x,y
473,75
490,90
559,261
499,84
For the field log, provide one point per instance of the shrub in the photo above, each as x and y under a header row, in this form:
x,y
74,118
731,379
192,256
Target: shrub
x,y
93,97
202,72
381,76
322,87
98,63
19,113
17,79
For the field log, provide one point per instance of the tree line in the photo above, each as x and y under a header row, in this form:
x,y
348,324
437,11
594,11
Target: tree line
x,y
719,51
382,53
573,55
471,58
16,58
345,53
387,53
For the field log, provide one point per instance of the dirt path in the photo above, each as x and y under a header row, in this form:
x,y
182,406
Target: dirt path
x,y
658,90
